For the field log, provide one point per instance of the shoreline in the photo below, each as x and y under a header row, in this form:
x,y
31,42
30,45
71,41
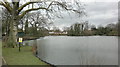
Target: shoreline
x,y
34,38
45,61
25,54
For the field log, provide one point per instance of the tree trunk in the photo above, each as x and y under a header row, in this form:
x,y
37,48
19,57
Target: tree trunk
x,y
12,37
26,27
14,24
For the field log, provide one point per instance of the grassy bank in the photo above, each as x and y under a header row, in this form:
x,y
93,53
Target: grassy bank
x,y
25,57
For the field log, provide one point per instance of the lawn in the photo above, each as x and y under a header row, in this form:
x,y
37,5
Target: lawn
x,y
25,57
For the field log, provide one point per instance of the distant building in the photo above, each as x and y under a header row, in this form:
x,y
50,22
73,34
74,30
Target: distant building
x,y
58,33
51,32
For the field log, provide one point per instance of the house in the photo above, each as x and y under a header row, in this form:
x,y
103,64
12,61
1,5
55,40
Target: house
x,y
58,33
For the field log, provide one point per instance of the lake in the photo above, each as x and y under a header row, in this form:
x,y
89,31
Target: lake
x,y
78,50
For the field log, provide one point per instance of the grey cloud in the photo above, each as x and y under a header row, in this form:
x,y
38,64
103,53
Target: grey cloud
x,y
98,13
101,6
103,13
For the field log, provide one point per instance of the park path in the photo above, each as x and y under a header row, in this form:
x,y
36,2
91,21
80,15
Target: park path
x,y
3,61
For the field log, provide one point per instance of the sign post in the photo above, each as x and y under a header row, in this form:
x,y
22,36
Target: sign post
x,y
20,38
20,42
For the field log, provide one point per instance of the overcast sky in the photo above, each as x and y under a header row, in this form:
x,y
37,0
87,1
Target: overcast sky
x,y
98,13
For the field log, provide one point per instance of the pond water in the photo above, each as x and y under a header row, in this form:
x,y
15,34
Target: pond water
x,y
80,50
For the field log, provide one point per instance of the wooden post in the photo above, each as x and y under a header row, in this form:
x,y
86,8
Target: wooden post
x,y
19,46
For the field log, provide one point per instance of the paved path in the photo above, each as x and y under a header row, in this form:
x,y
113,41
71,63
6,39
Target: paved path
x,y
3,61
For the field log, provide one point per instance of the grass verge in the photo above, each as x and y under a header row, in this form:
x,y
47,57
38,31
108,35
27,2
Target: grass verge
x,y
25,57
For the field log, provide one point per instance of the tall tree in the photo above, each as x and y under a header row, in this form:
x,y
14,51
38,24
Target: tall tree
x,y
17,11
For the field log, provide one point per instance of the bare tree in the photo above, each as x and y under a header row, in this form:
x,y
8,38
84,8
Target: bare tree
x,y
16,10
6,19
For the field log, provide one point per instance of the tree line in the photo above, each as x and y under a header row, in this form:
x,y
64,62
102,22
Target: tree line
x,y
85,29
16,12
33,24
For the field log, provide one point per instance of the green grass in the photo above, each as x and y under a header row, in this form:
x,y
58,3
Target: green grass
x,y
25,57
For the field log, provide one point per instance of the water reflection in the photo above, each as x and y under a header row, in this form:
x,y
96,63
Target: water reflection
x,y
66,50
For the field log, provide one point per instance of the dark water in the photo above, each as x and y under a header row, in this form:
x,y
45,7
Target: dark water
x,y
67,50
